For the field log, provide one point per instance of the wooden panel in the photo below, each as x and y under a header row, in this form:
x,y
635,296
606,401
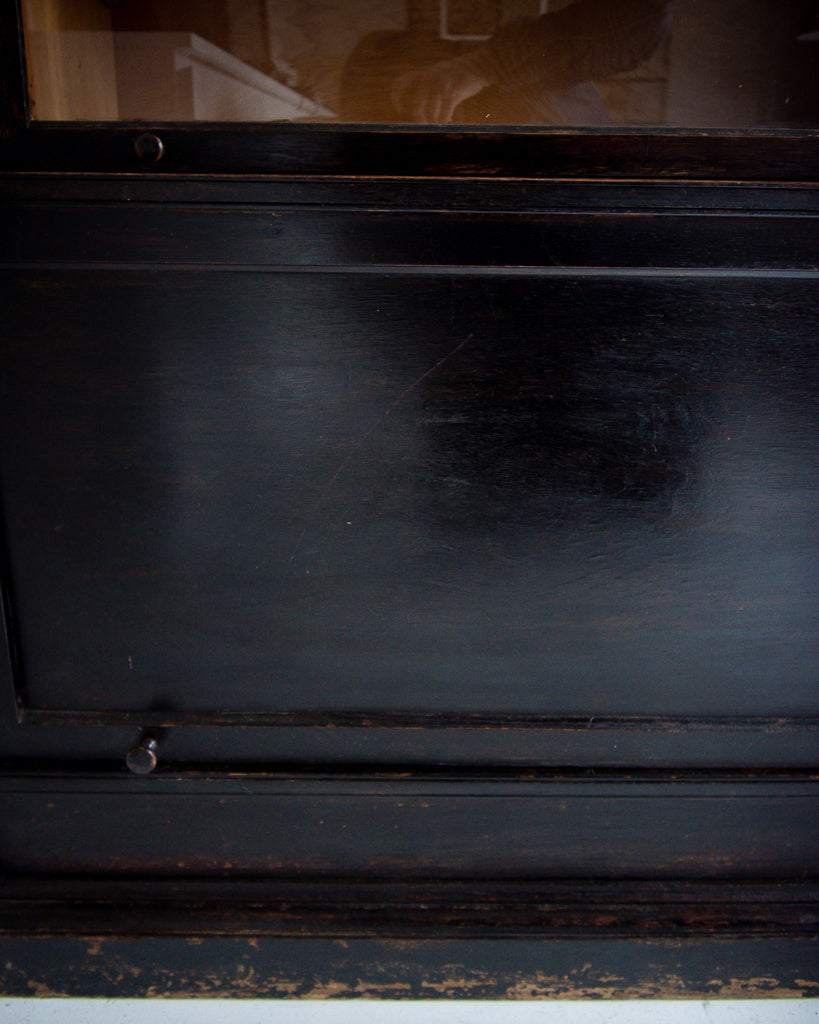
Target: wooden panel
x,y
557,240
414,827
615,442
673,155
537,495
377,968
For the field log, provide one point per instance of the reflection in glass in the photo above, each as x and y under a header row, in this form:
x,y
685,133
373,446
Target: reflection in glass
x,y
692,63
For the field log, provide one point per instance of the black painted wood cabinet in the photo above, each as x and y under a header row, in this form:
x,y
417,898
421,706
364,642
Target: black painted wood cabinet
x,y
437,509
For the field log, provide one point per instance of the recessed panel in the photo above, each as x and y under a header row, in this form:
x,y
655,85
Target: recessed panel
x,y
387,492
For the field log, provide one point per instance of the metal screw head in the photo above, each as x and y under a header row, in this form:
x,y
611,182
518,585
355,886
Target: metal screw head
x,y
149,147
141,759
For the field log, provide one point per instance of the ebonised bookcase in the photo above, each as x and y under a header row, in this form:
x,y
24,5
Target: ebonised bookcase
x,y
409,560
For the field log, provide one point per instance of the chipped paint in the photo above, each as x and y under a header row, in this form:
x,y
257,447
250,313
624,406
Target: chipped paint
x,y
42,991
348,968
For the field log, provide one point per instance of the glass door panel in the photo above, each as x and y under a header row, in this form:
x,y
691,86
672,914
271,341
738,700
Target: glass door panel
x,y
575,63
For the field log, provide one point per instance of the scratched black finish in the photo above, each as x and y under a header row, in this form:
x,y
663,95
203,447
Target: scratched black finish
x,y
540,422
386,908
169,195
411,826
336,492
679,234
376,968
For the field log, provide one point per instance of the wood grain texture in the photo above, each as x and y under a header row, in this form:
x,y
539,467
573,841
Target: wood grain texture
x,y
411,827
678,155
515,496
509,484
678,236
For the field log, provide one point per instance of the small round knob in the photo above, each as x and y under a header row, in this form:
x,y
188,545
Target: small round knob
x,y
141,759
149,147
